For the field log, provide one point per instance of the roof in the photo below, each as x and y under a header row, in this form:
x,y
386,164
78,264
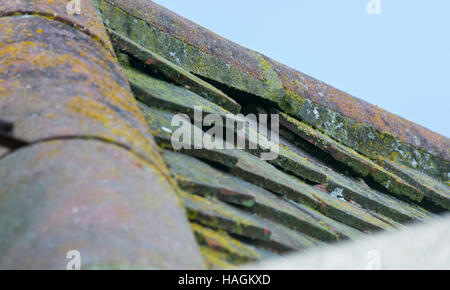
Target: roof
x,y
92,98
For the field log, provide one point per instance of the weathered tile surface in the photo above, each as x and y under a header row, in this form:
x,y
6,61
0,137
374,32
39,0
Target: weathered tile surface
x,y
75,195
70,86
88,175
163,95
236,251
391,207
261,173
435,191
90,24
160,124
351,158
215,214
213,57
340,172
173,72
199,178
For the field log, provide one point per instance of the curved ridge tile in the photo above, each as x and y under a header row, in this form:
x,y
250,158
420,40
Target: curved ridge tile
x,y
68,86
58,82
90,22
93,197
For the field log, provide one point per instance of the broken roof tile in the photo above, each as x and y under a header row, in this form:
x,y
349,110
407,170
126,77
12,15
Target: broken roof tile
x,y
174,73
162,95
296,164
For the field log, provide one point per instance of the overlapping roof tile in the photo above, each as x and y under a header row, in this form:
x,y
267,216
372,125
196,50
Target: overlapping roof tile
x,y
347,119
90,177
97,119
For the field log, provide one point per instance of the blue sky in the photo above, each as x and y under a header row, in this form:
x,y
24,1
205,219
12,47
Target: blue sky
x,y
398,60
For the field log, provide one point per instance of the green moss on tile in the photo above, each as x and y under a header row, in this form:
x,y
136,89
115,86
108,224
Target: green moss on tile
x,y
360,164
237,252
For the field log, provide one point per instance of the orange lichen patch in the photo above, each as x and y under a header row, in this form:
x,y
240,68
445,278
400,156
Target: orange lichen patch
x,y
215,260
322,187
112,92
97,111
117,128
236,251
54,76
89,22
13,53
38,57
361,111
59,79
6,86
